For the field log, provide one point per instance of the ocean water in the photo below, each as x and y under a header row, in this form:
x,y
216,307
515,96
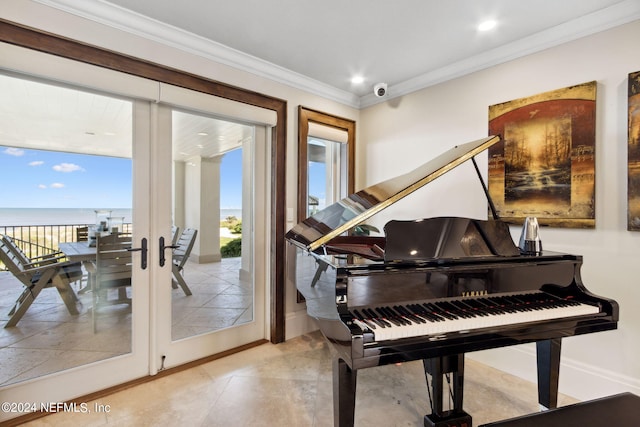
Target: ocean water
x,y
61,216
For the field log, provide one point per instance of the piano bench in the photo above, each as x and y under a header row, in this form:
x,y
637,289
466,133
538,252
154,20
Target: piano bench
x,y
620,410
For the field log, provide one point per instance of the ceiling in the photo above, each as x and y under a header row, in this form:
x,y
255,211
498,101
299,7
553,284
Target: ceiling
x,y
42,116
321,45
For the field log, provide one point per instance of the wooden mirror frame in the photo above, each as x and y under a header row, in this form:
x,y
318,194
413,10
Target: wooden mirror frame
x,y
305,116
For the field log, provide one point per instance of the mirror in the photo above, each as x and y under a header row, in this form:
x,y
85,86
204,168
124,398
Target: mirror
x,y
326,159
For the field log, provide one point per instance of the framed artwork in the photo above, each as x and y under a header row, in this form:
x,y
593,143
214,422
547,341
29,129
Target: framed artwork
x,y
544,166
633,168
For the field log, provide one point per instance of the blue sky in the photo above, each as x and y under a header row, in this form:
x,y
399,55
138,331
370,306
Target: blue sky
x,y
49,179
231,180
52,179
317,181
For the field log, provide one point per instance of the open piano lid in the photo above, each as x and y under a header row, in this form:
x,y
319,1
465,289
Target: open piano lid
x,y
339,217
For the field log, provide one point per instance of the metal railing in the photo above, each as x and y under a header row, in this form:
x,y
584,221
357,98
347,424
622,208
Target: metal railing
x,y
38,240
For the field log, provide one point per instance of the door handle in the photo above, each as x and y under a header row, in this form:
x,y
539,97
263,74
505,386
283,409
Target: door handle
x,y
163,259
143,250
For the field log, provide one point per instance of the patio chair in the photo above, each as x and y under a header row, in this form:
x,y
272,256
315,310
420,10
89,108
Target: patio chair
x,y
175,233
36,274
82,234
180,256
113,271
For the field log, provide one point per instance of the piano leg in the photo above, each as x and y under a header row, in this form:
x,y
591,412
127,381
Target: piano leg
x,y
548,355
344,393
437,367
322,267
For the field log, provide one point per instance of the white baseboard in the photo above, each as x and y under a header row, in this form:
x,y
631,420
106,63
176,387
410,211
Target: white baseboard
x,y
578,380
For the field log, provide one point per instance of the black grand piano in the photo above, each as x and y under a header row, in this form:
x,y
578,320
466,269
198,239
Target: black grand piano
x,y
434,289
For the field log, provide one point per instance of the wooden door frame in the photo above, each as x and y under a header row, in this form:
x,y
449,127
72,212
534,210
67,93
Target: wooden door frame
x,y
41,41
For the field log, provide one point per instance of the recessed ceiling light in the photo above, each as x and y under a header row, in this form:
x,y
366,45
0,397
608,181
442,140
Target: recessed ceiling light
x,y
487,25
202,134
356,80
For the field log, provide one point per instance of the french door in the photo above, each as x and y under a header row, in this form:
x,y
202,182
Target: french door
x,y
170,184
214,206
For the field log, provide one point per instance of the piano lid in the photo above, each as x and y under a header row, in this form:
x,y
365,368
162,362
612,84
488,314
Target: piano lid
x,y
339,217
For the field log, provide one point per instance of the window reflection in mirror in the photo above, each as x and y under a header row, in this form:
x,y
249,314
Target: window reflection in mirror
x,y
326,173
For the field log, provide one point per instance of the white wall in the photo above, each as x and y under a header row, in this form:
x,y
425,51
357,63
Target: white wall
x,y
402,133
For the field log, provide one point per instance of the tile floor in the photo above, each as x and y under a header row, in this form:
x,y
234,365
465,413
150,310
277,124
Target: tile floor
x,y
289,385
47,339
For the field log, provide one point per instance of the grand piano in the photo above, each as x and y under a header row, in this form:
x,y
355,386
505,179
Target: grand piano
x,y
434,289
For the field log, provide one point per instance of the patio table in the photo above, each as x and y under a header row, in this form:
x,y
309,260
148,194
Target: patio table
x,y
81,252
78,251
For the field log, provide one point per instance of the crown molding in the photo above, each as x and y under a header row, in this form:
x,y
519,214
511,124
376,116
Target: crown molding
x,y
150,29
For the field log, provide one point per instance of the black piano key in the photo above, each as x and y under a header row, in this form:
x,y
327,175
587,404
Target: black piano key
x,y
366,321
386,313
505,304
399,317
371,324
444,312
461,309
357,316
473,308
450,309
492,306
420,311
476,306
395,316
433,313
437,311
518,305
522,301
368,313
382,318
405,312
375,318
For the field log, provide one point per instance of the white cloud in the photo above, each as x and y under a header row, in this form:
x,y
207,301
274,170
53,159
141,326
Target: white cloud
x,y
42,186
57,185
36,163
14,152
67,167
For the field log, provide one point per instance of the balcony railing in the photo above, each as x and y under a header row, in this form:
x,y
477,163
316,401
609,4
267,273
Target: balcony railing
x,y
38,240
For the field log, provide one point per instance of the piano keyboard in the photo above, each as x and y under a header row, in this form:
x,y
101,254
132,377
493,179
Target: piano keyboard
x,y
464,314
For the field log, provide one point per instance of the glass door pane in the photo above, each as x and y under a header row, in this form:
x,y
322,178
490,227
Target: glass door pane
x,y
66,168
212,272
